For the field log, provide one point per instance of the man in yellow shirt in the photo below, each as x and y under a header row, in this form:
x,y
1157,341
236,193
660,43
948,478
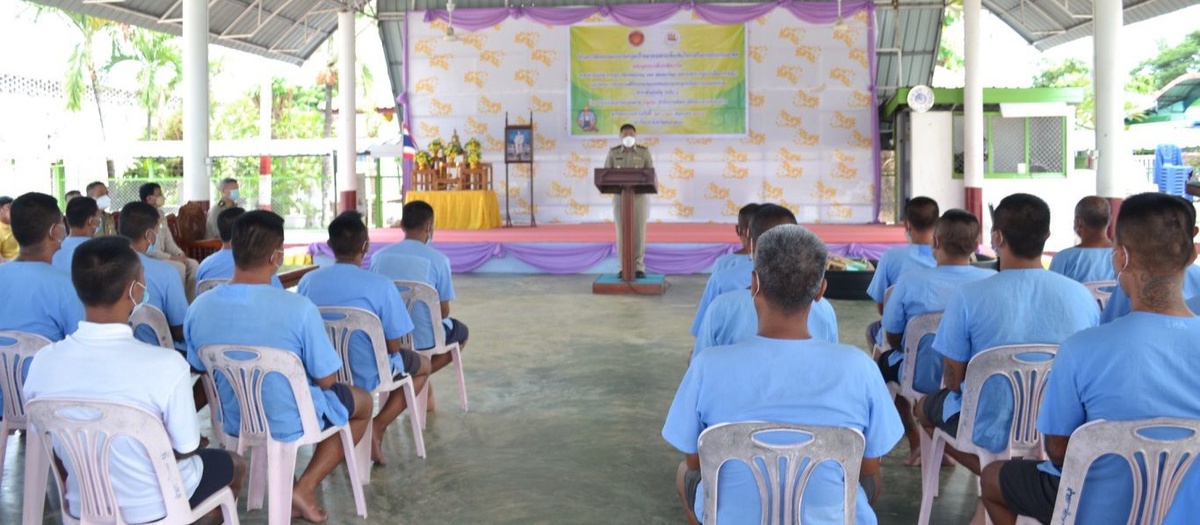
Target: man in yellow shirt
x,y
8,244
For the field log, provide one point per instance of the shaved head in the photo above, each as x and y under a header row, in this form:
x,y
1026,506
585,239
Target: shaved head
x,y
1093,213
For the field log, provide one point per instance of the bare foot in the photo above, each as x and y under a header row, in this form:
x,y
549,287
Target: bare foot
x,y
980,517
377,449
429,404
305,507
914,458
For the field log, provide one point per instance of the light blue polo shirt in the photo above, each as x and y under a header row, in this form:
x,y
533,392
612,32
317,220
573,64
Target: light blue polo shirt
x,y
1012,307
894,264
165,290
1140,366
783,381
62,258
734,277
220,265
1086,265
731,318
730,259
439,277
1119,304
925,291
262,315
348,285
39,299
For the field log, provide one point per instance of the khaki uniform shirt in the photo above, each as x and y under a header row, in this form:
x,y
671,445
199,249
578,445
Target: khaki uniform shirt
x,y
637,157
8,244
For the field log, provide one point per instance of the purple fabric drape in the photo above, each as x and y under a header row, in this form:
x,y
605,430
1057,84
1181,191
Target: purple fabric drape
x,y
670,259
636,15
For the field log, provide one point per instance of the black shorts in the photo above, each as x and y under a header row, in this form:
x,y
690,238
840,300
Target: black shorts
x,y
345,396
1027,490
932,404
217,474
891,374
412,363
457,333
691,482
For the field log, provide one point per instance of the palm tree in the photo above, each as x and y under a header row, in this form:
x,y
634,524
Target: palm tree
x,y
160,68
81,69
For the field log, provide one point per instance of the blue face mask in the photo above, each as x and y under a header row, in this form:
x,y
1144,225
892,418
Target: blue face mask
x,y
150,249
234,194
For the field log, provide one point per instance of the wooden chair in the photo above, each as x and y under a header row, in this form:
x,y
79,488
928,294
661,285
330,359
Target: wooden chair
x,y
190,229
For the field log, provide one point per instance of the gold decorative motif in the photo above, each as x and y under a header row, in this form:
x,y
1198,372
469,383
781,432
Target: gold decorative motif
x,y
527,38
806,101
860,100
804,138
439,26
515,191
840,156
475,78
426,85
559,191
681,172
425,46
522,120
544,143
809,53
526,76
787,170
731,209
476,126
843,75
838,211
859,55
474,39
844,172
848,35
678,155
790,73
841,121
823,192
666,192
735,155
757,100
755,139
493,144
786,155
492,57
651,142
733,171
679,210
794,207
596,144
699,142
577,208
758,53
429,130
545,56
715,193
788,120
792,34
556,220
488,106
771,191
541,105
577,166
595,19
861,141
441,61
439,108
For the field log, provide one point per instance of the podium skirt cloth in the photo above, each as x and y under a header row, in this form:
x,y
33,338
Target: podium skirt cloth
x,y
461,209
639,230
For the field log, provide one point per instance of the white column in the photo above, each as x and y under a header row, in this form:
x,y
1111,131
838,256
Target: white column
x,y
1110,101
973,106
347,180
265,106
195,101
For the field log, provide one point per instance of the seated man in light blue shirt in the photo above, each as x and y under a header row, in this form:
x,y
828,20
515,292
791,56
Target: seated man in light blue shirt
x,y
742,256
737,276
249,311
418,233
1119,303
731,317
920,214
1023,304
83,220
1141,366
782,376
925,291
138,222
347,284
220,265
1091,259
37,297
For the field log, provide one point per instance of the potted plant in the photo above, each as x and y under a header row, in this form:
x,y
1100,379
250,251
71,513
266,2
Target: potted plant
x,y
473,146
473,158
423,158
435,147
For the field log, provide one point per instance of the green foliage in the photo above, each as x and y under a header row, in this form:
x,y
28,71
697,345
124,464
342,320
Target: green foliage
x,y
159,64
948,55
1071,72
1170,63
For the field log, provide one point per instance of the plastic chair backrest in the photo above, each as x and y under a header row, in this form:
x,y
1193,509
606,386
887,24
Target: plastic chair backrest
x,y
341,323
887,294
1101,291
415,293
399,267
86,431
245,368
153,318
16,350
917,328
1159,464
1026,368
726,442
209,284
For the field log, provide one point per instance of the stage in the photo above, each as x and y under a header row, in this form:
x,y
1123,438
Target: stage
x,y
671,248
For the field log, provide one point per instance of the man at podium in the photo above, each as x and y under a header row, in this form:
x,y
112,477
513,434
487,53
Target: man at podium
x,y
630,154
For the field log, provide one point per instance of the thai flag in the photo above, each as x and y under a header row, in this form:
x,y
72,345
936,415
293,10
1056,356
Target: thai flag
x,y
410,145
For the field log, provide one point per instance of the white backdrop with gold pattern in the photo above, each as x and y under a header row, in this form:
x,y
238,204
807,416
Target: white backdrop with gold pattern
x,y
810,147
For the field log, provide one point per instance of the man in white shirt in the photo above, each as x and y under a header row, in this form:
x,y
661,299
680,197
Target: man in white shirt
x,y
103,361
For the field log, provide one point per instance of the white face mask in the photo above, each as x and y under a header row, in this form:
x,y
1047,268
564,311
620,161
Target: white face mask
x,y
103,202
628,141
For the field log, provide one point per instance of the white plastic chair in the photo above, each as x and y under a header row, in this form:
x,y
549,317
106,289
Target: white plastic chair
x,y
1159,465
917,329
1027,379
342,323
153,318
245,368
878,349
1101,291
86,431
16,350
209,284
726,442
414,292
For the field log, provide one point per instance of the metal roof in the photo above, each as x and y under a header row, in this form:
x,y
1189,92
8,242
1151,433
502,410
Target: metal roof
x,y
1049,23
287,30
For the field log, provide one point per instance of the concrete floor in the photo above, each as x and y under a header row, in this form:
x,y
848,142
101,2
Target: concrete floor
x,y
568,393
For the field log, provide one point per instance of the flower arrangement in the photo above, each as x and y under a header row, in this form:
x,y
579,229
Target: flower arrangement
x,y
435,147
423,158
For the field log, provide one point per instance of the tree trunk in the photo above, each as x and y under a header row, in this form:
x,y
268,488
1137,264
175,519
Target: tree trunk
x,y
109,165
327,166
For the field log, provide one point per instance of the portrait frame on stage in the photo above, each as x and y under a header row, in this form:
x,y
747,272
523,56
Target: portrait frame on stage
x,y
518,144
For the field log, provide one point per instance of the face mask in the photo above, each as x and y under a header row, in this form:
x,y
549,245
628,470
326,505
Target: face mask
x,y
150,249
234,194
145,295
628,141
1123,268
104,202
96,231
756,290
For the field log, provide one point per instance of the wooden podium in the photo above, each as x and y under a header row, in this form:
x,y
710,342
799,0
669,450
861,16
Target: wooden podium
x,y
627,183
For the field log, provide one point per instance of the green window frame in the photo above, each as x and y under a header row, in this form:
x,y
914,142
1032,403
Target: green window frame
x,y
1026,153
